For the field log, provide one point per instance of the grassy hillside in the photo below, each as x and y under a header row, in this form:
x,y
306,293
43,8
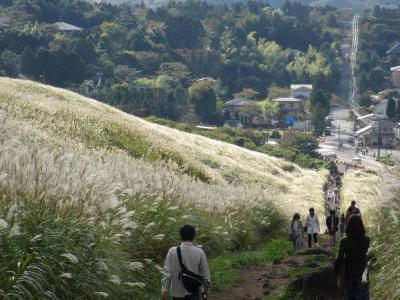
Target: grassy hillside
x,y
91,198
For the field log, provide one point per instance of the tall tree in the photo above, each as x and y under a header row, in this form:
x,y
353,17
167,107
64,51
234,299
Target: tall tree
x,y
204,98
28,62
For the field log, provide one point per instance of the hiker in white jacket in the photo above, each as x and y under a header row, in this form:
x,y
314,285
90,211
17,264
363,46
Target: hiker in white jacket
x,y
312,227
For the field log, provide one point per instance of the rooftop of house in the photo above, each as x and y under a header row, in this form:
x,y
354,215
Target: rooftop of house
x,y
301,87
394,50
240,102
67,27
369,116
395,69
205,79
287,99
364,129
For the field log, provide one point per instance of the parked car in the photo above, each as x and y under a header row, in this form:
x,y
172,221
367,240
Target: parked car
x,y
350,140
331,155
357,160
327,131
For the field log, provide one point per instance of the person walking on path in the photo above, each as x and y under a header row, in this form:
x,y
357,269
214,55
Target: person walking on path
x,y
296,232
342,226
193,259
312,228
352,210
352,260
332,223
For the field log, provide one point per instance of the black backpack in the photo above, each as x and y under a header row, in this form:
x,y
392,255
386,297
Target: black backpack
x,y
191,281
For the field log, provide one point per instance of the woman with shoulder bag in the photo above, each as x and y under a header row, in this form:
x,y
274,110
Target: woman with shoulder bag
x,y
351,262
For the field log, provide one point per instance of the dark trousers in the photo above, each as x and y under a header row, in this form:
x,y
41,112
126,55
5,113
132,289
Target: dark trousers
x,y
356,289
188,297
313,236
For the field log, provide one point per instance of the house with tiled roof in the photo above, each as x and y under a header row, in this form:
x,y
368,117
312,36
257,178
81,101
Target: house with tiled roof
x,y
301,91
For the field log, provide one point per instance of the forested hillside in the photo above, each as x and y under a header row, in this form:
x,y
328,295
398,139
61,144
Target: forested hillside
x,y
149,61
380,31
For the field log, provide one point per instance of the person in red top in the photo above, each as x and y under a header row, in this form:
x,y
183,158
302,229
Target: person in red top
x,y
352,210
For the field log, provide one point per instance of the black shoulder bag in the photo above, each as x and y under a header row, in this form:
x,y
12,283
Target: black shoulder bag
x,y
191,281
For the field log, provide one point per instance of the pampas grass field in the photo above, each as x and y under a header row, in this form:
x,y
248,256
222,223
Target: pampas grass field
x,y
91,198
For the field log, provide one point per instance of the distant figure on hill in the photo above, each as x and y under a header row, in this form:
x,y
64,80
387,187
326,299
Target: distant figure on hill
x,y
186,268
342,226
352,210
296,232
312,228
351,262
332,223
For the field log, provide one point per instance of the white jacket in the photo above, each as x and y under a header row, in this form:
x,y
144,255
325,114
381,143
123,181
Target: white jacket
x,y
312,224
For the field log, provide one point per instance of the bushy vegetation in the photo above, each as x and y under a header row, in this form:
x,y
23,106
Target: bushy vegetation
x,y
84,215
148,61
296,147
385,233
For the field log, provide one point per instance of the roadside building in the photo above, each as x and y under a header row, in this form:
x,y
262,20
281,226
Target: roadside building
x,y
395,76
244,109
368,135
301,91
66,27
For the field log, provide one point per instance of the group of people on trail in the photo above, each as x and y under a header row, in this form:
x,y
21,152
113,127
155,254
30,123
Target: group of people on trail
x,y
351,262
187,275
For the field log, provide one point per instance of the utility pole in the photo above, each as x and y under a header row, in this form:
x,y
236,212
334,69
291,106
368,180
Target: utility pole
x,y
379,137
339,136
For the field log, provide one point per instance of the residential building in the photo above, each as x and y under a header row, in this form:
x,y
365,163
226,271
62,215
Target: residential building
x,y
301,91
245,109
289,105
65,27
368,135
395,76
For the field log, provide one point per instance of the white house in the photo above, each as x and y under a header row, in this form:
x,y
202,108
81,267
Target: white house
x,y
301,91
395,76
289,104
380,108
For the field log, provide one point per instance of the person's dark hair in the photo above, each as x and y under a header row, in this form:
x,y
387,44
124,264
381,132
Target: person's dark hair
x,y
332,212
187,232
311,209
353,202
355,228
296,216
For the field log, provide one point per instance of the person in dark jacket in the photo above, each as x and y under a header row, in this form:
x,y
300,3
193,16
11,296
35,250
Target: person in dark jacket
x,y
352,210
353,256
332,223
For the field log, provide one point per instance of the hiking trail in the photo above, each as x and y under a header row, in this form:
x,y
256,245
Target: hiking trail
x,y
308,273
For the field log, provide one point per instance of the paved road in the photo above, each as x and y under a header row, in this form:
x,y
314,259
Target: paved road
x,y
342,128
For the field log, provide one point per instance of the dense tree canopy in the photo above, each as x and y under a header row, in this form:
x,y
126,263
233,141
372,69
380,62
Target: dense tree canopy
x,y
147,61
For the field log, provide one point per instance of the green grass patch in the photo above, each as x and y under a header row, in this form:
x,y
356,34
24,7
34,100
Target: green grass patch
x,y
223,268
387,160
311,263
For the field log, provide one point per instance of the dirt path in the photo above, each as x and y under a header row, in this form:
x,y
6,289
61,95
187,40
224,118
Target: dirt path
x,y
255,282
259,281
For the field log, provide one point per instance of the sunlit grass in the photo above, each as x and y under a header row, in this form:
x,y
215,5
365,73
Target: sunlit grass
x,y
91,198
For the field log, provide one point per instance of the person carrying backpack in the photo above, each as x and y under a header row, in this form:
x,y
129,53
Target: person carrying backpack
x,y
332,223
313,227
185,269
296,232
